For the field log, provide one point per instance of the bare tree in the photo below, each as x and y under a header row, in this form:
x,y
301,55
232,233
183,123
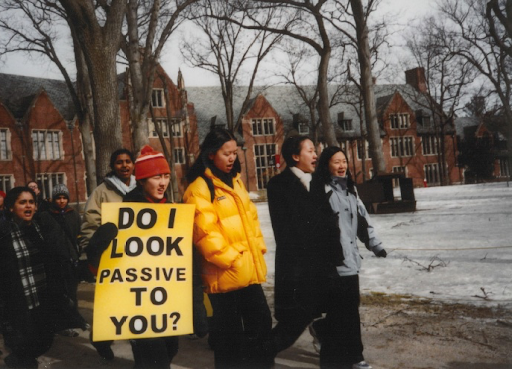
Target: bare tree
x,y
483,30
32,27
447,77
97,25
149,26
227,48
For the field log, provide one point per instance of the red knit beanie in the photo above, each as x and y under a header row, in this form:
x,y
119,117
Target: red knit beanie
x,y
150,163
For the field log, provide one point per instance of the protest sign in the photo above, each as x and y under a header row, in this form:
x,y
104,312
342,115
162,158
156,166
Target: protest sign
x,y
144,280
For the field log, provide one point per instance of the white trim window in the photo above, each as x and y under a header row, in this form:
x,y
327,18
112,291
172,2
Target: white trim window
x,y
5,144
162,124
46,144
399,121
50,180
398,169
366,150
6,182
177,128
157,98
401,146
429,145
263,127
504,170
265,163
179,155
432,174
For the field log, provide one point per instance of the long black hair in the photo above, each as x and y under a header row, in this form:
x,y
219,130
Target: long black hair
x,y
323,173
211,144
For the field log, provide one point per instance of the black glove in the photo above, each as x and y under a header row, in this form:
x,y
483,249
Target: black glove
x,y
99,243
382,254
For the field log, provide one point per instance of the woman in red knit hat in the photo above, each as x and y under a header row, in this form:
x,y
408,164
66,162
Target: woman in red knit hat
x,y
153,175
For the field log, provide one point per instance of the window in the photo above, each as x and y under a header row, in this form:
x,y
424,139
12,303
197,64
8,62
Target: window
x,y
157,98
5,182
46,144
432,173
345,124
177,130
360,150
345,145
5,145
162,124
401,146
303,128
399,121
397,169
262,127
179,155
504,170
265,163
48,181
429,145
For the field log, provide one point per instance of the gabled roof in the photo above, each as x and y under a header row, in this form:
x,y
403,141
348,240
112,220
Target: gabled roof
x,y
286,101
18,92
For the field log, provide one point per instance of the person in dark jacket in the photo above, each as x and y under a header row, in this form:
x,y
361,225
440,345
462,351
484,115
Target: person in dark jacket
x,y
2,198
340,331
308,248
153,176
35,262
69,221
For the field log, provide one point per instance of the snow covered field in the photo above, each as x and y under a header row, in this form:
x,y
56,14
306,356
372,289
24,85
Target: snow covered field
x,y
463,233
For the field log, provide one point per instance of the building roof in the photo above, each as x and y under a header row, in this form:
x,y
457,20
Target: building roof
x,y
18,92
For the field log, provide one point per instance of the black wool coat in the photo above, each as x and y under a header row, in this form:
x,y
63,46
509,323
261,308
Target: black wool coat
x,y
308,247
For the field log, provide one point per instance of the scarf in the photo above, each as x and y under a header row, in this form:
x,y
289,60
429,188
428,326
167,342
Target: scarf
x,y
121,187
305,178
341,181
33,277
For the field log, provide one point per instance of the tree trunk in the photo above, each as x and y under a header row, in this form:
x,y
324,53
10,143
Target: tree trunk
x,y
370,109
99,44
324,113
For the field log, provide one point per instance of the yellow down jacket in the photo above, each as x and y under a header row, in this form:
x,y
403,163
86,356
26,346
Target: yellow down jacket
x,y
227,234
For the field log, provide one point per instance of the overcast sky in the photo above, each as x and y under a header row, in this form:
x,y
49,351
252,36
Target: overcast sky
x,y
172,60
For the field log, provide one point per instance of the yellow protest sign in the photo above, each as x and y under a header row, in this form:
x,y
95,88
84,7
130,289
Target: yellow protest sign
x,y
144,280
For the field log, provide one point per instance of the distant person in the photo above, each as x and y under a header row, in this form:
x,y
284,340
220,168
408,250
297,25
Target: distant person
x,y
228,236
35,264
118,182
69,221
308,248
2,199
339,333
41,203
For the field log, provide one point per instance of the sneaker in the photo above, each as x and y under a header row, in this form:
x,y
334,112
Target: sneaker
x,y
316,342
361,365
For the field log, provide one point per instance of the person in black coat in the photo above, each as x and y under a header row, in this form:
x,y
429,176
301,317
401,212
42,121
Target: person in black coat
x,y
308,245
35,263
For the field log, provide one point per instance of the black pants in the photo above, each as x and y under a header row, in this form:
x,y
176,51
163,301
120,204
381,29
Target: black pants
x,y
154,353
28,336
241,320
339,332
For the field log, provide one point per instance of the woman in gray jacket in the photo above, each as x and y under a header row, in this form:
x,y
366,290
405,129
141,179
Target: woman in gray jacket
x,y
354,222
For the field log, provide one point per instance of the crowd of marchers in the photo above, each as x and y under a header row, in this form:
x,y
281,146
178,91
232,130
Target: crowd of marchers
x,y
316,217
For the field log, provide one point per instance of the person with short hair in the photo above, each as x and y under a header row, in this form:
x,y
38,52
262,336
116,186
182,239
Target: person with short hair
x,y
308,248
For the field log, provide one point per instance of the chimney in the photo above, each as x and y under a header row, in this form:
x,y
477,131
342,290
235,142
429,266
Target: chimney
x,y
416,78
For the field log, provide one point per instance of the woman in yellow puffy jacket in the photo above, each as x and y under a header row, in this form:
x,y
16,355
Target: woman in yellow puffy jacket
x,y
228,236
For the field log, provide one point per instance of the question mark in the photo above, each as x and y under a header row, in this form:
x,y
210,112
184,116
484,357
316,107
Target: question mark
x,y
177,317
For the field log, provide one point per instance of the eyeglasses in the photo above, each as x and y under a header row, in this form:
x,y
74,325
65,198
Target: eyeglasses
x,y
33,187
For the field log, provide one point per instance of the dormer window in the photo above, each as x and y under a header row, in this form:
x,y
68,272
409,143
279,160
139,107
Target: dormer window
x,y
345,124
423,119
303,129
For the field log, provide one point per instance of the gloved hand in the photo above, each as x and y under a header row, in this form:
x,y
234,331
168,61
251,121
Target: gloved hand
x,y
99,243
382,254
